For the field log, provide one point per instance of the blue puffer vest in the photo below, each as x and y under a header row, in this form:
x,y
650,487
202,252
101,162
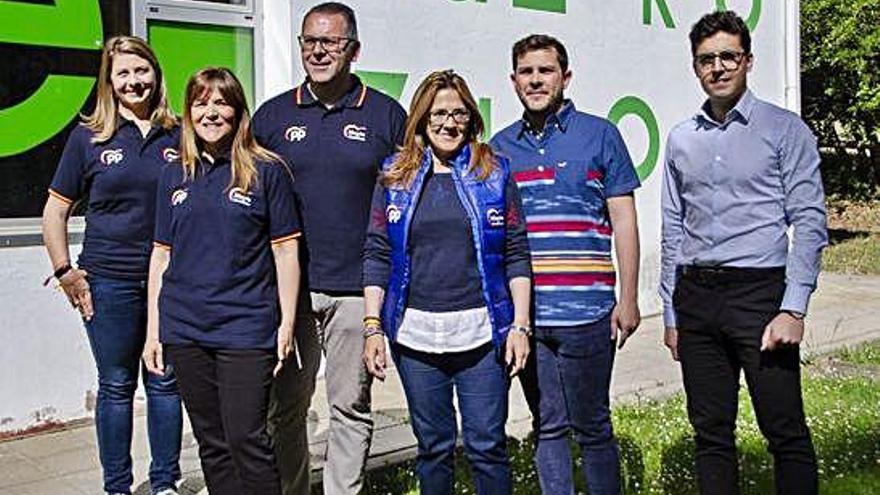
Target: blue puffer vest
x,y
486,207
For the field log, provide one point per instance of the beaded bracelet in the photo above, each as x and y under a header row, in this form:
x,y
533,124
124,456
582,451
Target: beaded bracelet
x,y
372,330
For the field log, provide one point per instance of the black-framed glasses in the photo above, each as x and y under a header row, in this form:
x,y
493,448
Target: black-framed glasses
x,y
459,116
730,60
335,44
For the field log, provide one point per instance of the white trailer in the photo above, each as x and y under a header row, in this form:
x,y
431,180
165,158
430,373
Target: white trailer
x,y
630,59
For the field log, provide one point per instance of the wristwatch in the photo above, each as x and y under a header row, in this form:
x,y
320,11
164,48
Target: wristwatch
x,y
523,329
795,314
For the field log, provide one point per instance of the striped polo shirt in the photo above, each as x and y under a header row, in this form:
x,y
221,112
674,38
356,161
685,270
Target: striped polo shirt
x,y
565,174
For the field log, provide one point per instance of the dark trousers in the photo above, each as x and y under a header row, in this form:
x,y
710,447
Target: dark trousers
x,y
566,385
722,314
226,393
479,379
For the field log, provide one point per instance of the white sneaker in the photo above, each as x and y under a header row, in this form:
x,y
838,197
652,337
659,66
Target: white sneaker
x,y
167,491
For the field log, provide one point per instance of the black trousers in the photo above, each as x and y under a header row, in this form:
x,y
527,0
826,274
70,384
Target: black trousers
x,y
226,394
722,314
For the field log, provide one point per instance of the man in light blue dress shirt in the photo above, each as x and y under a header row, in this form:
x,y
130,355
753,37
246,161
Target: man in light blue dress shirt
x,y
740,176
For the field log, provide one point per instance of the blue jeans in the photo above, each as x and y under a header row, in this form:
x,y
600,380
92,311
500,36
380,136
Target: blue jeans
x,y
116,333
567,390
480,380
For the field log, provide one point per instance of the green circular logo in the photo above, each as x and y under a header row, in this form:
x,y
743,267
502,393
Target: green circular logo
x,y
633,105
72,24
754,15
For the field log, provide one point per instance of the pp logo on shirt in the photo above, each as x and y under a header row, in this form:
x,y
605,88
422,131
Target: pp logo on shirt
x,y
237,195
170,155
295,133
355,132
109,157
392,213
495,218
179,196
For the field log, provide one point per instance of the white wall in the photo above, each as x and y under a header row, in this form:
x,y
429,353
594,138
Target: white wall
x,y
49,374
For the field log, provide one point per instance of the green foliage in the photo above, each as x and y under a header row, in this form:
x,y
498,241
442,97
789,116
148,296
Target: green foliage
x,y
840,53
858,255
868,353
657,452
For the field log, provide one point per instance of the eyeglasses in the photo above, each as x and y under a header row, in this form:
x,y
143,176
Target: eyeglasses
x,y
439,117
729,60
335,44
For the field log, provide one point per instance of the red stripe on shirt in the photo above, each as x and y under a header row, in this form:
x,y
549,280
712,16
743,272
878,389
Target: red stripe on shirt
x,y
574,278
594,175
569,226
534,174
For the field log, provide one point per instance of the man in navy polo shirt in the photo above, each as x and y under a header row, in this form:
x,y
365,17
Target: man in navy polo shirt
x,y
334,132
577,181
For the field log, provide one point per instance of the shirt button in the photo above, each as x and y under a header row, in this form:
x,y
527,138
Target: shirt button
x,y
541,151
717,158
540,168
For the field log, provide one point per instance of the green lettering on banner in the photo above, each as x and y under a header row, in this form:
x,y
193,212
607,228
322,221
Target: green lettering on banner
x,y
485,105
754,15
647,11
390,83
556,6
67,24
633,105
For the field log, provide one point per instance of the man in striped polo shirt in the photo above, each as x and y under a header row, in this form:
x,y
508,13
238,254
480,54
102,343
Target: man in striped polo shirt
x,y
577,182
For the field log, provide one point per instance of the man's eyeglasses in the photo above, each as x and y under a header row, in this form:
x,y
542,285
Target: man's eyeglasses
x,y
335,44
729,60
439,117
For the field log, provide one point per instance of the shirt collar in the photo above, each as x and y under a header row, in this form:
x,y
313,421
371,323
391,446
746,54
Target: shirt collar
x,y
211,161
560,119
354,98
741,111
461,162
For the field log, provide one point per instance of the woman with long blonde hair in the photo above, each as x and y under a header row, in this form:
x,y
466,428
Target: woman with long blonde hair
x,y
447,280
113,158
224,278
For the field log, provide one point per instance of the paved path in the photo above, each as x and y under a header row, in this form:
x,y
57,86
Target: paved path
x,y
843,312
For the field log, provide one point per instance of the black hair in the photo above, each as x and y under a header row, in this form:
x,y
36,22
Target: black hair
x,y
720,21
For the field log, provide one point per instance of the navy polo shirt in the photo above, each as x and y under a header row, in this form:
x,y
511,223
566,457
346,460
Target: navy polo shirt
x,y
220,288
119,179
335,154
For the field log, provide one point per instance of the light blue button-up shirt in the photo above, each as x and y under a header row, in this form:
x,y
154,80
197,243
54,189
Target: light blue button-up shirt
x,y
730,192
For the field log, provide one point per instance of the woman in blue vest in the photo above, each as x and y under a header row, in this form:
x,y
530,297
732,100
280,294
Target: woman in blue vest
x,y
446,277
114,158
224,277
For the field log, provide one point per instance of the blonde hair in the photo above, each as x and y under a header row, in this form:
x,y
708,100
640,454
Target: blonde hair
x,y
245,150
102,121
408,161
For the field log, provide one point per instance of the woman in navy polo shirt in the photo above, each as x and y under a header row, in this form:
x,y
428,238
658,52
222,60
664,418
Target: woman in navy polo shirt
x,y
447,252
114,158
224,277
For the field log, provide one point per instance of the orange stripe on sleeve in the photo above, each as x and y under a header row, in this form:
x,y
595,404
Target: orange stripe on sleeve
x,y
285,238
58,195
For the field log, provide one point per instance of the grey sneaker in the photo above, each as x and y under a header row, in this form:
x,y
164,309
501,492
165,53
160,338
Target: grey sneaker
x,y
167,491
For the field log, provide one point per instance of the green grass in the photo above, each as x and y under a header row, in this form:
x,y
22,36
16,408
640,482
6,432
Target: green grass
x,y
860,482
842,413
657,446
868,353
858,255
